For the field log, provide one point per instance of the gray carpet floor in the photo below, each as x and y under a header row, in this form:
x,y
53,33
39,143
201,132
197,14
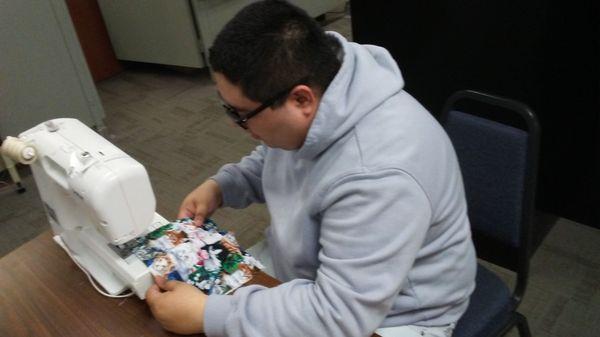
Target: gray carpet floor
x,y
172,122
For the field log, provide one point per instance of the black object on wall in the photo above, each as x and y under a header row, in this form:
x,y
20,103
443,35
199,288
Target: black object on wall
x,y
543,53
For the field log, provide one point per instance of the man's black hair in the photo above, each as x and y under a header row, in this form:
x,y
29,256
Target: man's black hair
x,y
270,46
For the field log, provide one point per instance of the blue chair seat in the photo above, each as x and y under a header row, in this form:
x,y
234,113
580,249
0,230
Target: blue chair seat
x,y
490,308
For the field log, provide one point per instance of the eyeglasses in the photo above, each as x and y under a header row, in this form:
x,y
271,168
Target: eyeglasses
x,y
240,120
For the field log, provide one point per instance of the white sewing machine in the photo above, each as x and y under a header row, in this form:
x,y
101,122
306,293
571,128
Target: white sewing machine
x,y
96,198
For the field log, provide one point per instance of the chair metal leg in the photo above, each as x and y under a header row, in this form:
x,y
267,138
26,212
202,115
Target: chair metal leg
x,y
523,326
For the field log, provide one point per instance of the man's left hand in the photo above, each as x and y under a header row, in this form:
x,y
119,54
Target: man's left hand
x,y
178,306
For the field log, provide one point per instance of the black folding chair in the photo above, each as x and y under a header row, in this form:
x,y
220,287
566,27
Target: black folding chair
x,y
496,141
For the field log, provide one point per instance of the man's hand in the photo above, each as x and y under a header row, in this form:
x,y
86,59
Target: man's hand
x,y
178,306
201,202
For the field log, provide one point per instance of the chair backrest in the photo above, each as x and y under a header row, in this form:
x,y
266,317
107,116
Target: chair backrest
x,y
496,141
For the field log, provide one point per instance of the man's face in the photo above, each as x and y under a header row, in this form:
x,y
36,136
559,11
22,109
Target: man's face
x,y
283,127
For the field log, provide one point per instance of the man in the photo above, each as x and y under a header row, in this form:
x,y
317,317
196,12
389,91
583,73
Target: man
x,y
369,229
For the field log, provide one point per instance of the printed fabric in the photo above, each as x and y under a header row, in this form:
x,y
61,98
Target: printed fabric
x,y
203,256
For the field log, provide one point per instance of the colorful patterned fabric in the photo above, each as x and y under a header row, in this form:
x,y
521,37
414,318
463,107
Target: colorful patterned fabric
x,y
202,256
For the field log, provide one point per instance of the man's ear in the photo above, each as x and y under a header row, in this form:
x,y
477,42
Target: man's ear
x,y
304,98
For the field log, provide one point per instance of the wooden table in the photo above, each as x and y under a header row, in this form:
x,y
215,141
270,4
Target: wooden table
x,y
43,293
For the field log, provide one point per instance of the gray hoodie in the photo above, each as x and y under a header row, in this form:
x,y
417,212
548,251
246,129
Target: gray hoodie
x,y
369,223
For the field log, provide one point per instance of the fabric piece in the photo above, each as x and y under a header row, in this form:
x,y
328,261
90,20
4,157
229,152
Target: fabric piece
x,y
261,252
203,256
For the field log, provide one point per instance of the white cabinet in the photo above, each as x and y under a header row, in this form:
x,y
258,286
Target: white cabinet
x,y
43,73
177,32
153,31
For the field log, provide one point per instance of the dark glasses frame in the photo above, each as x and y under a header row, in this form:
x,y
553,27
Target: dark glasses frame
x,y
240,120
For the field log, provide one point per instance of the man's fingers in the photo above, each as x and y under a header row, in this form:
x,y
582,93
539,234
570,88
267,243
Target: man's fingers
x,y
171,285
198,220
152,294
160,282
184,213
164,284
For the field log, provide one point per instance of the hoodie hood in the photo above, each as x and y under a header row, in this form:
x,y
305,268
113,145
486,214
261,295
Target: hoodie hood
x,y
352,94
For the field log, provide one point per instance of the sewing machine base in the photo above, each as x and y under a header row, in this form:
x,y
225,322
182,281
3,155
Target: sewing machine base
x,y
92,252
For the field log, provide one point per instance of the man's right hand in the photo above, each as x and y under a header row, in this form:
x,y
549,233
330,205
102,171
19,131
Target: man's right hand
x,y
201,202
